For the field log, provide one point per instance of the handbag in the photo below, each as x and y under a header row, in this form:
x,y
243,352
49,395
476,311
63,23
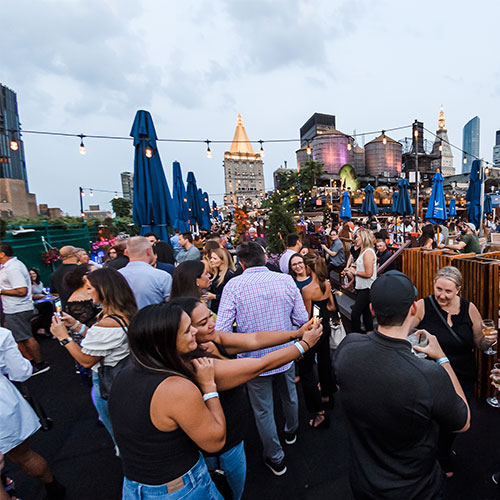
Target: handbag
x,y
220,480
337,330
106,374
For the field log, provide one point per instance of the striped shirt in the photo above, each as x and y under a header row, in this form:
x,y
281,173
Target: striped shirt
x,y
260,300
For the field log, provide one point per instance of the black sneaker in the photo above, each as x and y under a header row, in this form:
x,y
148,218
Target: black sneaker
x,y
290,437
495,477
278,469
41,367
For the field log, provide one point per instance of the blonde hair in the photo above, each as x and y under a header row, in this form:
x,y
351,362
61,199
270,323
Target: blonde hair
x,y
227,263
450,273
366,238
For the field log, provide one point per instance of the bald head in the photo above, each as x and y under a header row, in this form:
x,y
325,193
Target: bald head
x,y
68,254
140,248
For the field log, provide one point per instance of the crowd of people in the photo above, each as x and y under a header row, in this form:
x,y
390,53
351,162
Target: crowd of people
x,y
198,334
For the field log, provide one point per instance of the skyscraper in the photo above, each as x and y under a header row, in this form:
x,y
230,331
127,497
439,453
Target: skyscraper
x,y
496,150
243,170
470,144
441,149
127,185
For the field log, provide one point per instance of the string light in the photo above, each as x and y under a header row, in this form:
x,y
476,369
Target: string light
x,y
209,153
91,193
116,195
384,138
349,146
308,149
465,159
82,146
14,145
440,147
261,149
148,152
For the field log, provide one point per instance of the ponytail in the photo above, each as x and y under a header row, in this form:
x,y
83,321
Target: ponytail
x,y
318,266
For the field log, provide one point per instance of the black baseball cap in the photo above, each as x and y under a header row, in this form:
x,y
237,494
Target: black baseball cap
x,y
392,293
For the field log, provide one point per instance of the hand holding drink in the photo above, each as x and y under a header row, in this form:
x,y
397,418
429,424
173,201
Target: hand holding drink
x,y
432,349
495,382
490,335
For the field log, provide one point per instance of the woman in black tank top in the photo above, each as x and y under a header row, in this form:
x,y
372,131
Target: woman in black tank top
x,y
164,408
231,373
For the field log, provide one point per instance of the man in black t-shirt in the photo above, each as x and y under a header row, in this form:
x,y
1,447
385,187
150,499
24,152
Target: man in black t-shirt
x,y
69,258
383,254
395,402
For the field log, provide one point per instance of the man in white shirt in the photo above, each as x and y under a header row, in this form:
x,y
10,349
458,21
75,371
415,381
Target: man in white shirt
x,y
17,303
293,245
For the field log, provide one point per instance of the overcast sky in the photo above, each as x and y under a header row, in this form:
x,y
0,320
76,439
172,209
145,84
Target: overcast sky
x,y
88,66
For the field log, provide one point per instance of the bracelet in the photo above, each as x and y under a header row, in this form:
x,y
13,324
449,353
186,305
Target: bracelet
x,y
75,325
300,348
82,329
210,395
307,343
442,360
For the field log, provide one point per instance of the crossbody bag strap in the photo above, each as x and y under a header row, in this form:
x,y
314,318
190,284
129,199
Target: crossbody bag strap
x,y
443,319
120,320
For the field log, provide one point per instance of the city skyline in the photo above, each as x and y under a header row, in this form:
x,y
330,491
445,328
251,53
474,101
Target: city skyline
x,y
86,67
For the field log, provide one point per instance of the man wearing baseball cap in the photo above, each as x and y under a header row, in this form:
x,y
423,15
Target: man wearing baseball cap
x,y
469,242
395,402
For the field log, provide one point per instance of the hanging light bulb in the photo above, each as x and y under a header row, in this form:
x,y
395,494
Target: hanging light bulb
x,y
415,133
308,149
384,138
91,193
116,195
261,149
14,145
83,192
209,153
486,171
349,146
82,146
465,159
440,147
148,152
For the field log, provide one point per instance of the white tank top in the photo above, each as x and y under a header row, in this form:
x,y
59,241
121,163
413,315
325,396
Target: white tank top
x,y
362,283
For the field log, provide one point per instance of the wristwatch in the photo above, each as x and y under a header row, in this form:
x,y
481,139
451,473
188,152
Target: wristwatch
x,y
65,341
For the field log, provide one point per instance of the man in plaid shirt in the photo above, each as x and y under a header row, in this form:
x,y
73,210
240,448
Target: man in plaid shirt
x,y
261,300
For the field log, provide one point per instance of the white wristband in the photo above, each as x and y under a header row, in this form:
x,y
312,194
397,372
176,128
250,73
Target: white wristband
x,y
442,360
210,395
298,345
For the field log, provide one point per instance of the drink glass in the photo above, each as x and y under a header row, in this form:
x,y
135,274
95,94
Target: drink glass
x,y
488,326
417,339
493,401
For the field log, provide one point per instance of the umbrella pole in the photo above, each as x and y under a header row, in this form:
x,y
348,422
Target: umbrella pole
x,y
482,201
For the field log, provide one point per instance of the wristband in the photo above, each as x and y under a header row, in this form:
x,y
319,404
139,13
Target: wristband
x,y
65,341
442,360
210,395
300,348
307,343
82,329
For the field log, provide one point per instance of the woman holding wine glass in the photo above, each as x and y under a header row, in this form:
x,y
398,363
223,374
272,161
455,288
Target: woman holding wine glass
x,y
459,328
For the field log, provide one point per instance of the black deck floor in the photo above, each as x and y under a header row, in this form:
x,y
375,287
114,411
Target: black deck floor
x,y
82,454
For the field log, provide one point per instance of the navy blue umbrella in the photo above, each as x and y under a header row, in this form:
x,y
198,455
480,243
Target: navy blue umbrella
x,y
473,195
436,211
369,207
193,198
345,208
215,212
205,211
488,204
403,205
452,208
394,201
153,209
180,199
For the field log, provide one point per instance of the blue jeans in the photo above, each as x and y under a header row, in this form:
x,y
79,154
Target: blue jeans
x,y
197,486
234,464
101,405
260,392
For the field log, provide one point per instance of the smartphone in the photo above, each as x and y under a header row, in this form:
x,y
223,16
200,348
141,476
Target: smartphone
x,y
58,307
316,312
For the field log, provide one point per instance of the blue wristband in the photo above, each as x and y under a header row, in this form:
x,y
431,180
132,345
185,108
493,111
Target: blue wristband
x,y
82,329
298,345
442,360
210,395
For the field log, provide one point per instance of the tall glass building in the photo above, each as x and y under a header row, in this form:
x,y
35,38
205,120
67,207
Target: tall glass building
x,y
470,144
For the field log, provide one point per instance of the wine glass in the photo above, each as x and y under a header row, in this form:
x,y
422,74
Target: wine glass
x,y
417,339
488,326
493,401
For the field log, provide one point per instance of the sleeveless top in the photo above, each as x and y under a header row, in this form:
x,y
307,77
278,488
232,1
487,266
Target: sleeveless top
x,y
302,284
84,311
149,456
236,409
362,283
460,354
325,314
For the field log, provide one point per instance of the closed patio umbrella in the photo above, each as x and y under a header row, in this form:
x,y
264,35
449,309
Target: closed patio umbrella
x,y
452,208
180,199
473,195
345,208
436,211
369,207
153,209
193,198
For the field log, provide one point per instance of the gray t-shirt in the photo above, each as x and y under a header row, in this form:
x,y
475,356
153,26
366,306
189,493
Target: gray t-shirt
x,y
339,259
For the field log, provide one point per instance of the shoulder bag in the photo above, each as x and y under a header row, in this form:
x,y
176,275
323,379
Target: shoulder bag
x,y
337,330
107,374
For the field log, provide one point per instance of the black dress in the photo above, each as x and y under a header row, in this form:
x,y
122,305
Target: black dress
x,y
217,289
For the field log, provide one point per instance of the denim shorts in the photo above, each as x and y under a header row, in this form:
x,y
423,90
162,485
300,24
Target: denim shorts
x,y
197,486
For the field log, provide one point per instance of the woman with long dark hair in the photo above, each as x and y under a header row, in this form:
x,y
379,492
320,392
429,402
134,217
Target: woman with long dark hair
x,y
175,411
318,294
104,343
426,239
298,271
190,279
230,373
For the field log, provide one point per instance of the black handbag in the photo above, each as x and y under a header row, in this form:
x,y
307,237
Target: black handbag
x,y
220,480
106,374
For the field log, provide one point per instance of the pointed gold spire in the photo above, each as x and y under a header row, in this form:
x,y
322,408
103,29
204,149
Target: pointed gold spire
x,y
441,120
241,144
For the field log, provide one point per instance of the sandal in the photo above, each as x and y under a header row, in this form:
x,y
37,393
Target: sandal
x,y
323,424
